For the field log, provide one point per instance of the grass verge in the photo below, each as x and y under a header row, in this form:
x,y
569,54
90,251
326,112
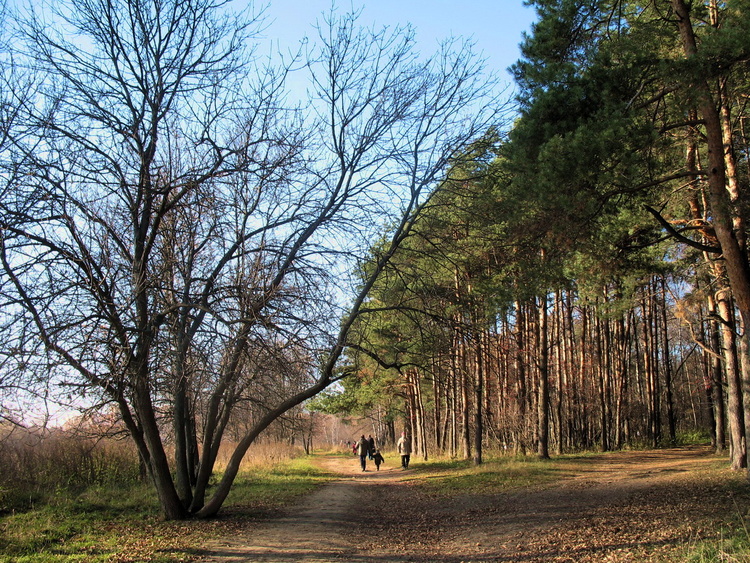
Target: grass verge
x,y
123,526
495,475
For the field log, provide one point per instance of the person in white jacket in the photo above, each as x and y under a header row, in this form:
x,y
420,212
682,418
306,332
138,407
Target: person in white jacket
x,y
404,448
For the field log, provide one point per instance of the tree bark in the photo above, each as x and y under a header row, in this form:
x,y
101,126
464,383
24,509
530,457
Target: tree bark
x,y
520,365
544,394
735,410
602,370
479,379
723,220
667,353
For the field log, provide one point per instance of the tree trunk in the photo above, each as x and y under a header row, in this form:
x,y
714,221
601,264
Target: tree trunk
x,y
437,411
697,213
560,370
180,425
735,411
171,505
464,382
454,402
478,395
543,402
621,419
602,343
723,221
671,422
520,445
649,368
420,418
569,376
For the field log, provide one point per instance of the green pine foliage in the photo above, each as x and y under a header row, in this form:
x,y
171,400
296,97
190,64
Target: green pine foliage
x,y
590,196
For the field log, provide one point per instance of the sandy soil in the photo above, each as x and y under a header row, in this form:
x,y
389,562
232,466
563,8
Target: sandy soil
x,y
627,506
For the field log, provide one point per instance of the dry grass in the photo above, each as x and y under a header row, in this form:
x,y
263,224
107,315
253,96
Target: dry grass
x,y
261,455
42,463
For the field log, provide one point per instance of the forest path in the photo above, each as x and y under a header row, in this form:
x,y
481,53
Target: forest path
x,y
624,506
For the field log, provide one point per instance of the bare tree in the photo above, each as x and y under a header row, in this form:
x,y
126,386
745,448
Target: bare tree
x,y
181,241
16,88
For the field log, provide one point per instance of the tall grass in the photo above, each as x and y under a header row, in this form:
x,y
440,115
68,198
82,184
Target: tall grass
x,y
262,454
38,466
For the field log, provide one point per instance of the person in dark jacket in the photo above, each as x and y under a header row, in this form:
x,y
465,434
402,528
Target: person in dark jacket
x,y
378,459
363,449
371,442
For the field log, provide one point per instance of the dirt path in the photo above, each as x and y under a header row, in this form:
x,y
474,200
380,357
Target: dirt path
x,y
628,506
321,529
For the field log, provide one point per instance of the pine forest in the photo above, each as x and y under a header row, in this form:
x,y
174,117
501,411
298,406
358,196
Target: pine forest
x,y
571,284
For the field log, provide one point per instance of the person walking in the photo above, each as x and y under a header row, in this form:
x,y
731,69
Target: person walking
x,y
404,448
377,457
363,448
371,442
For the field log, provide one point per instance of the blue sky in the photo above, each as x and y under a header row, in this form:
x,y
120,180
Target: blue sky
x,y
496,26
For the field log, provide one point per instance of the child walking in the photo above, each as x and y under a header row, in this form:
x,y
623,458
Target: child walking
x,y
378,459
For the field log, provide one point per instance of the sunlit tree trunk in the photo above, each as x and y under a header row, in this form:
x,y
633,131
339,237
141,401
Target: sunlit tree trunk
x,y
465,383
622,332
697,214
581,415
735,411
420,430
560,370
569,376
723,221
437,410
454,395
